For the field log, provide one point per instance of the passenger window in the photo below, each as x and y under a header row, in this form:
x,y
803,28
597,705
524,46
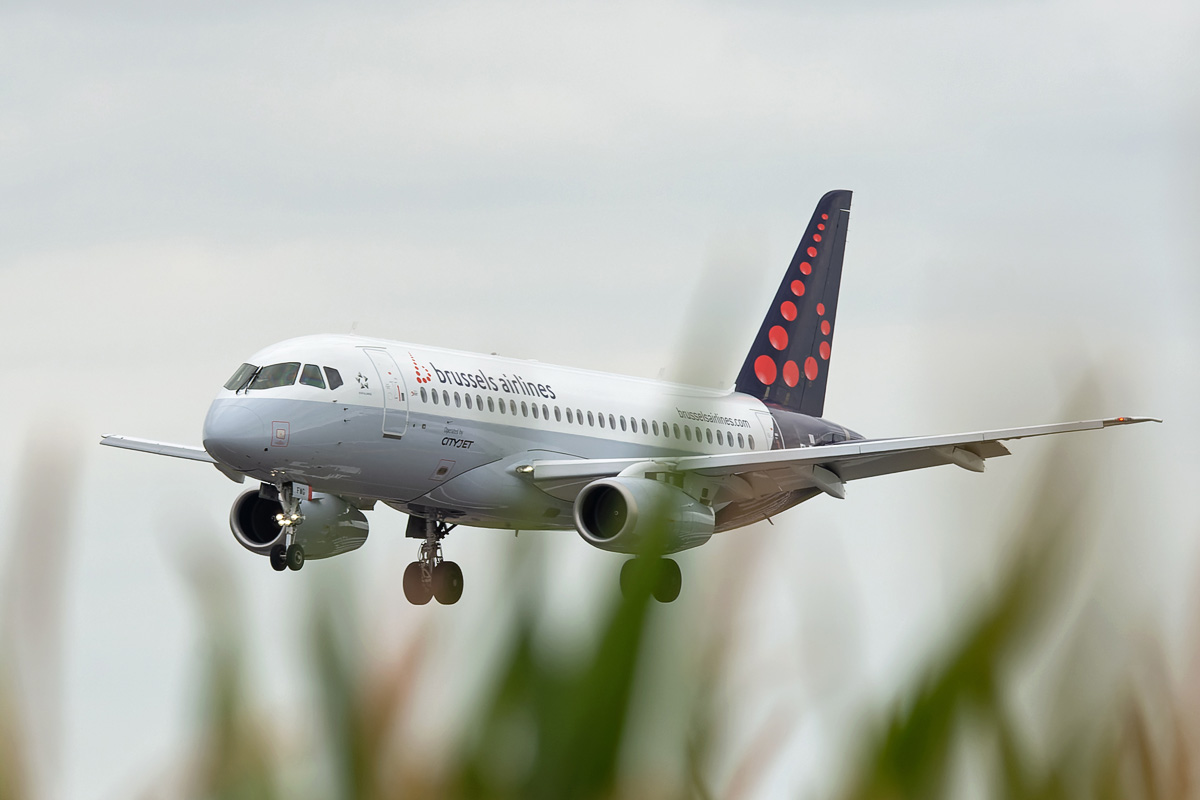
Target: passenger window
x,y
512,406
479,402
424,395
311,376
591,420
535,411
524,409
676,428
612,423
687,432
445,397
697,433
435,396
645,428
720,440
579,417
492,405
622,422
601,416
741,441
751,438
707,434
457,400
654,426
501,405
240,378
335,377
276,375
545,412
570,416
468,400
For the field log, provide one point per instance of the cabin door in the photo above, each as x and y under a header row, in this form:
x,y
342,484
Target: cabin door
x,y
395,397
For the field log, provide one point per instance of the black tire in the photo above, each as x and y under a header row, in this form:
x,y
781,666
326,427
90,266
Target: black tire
x,y
278,556
627,577
416,590
295,557
670,581
447,583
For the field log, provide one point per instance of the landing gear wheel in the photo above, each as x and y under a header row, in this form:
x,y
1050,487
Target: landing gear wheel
x,y
295,556
278,557
627,570
670,581
447,583
416,590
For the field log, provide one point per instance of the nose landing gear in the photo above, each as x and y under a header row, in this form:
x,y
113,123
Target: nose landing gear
x,y
289,554
431,576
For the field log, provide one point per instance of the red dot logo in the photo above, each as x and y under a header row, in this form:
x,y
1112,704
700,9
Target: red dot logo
x,y
825,327
824,216
423,374
764,370
820,226
788,309
791,373
816,237
798,288
810,368
821,309
805,267
824,350
812,252
778,337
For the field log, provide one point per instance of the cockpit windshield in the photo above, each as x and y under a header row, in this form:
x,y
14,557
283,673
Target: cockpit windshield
x,y
276,375
240,378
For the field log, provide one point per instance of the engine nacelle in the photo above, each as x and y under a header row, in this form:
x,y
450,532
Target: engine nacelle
x,y
622,514
331,526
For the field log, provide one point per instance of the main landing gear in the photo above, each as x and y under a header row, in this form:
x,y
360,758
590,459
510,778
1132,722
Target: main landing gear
x,y
289,555
667,583
430,575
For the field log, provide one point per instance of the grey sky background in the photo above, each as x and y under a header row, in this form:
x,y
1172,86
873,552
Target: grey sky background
x,y
617,187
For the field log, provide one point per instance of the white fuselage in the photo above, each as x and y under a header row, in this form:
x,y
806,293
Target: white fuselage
x,y
427,429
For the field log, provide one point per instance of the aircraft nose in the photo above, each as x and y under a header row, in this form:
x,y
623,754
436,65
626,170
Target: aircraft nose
x,y
233,434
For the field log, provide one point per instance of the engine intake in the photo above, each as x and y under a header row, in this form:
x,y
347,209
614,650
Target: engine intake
x,y
331,526
624,515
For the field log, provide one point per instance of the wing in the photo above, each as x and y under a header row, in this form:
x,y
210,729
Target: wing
x,y
190,452
826,468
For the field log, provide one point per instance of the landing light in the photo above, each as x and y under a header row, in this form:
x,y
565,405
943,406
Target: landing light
x,y
525,469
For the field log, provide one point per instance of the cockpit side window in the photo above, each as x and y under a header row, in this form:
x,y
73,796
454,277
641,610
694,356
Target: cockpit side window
x,y
335,377
276,375
240,378
311,376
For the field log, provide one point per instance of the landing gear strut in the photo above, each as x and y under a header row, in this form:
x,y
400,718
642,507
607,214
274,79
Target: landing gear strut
x,y
431,575
289,554
667,583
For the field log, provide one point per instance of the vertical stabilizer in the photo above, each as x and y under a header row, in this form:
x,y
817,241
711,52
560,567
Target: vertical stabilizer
x,y
788,365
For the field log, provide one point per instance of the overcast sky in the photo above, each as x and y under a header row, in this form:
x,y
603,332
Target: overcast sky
x,y
616,186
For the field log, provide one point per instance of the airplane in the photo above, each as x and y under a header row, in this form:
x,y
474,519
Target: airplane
x,y
332,425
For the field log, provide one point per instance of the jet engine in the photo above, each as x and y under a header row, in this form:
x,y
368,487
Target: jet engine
x,y
623,515
331,526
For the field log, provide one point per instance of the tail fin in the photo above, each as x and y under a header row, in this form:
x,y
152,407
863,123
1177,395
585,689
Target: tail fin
x,y
788,365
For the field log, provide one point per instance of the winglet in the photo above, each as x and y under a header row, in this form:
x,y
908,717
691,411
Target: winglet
x,y
1108,423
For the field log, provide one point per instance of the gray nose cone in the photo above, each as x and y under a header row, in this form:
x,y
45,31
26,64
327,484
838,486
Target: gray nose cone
x,y
233,434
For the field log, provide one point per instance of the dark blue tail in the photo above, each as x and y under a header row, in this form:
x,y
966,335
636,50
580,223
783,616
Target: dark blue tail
x,y
788,365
